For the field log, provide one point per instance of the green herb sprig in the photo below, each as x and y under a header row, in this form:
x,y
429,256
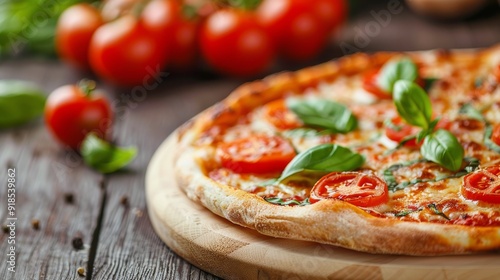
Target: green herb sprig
x,y
414,106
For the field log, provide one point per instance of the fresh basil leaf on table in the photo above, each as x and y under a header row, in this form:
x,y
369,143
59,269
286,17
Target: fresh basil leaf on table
x,y
320,160
321,113
20,102
103,156
392,71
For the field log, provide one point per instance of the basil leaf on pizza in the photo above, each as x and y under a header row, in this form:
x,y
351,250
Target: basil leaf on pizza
x,y
320,160
393,71
443,148
325,114
412,103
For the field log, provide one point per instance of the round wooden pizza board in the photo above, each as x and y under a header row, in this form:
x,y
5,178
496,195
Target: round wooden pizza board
x,y
233,252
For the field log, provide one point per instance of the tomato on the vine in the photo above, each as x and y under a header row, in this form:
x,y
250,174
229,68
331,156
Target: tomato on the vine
x,y
125,52
331,12
72,111
233,42
256,154
298,31
74,30
360,189
483,185
179,26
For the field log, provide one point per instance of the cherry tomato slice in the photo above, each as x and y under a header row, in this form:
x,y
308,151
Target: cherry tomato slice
x,y
495,135
370,84
360,189
256,154
483,185
399,130
280,116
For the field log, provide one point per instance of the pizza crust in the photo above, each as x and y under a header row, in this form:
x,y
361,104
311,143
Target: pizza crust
x,y
329,221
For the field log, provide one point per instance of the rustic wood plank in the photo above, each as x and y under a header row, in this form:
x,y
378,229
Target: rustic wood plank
x,y
128,247
44,173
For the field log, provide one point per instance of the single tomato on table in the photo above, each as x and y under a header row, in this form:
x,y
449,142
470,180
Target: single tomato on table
x,y
74,30
360,189
233,42
483,185
73,111
256,154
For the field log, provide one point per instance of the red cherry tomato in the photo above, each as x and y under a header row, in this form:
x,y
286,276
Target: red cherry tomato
x,y
256,154
360,189
399,130
72,111
159,18
75,28
331,12
184,45
298,31
126,53
234,43
483,185
168,22
495,135
280,116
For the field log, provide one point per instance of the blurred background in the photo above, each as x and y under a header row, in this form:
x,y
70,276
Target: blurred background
x,y
261,37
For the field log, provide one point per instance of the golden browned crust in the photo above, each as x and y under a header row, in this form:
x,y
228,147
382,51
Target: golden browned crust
x,y
330,221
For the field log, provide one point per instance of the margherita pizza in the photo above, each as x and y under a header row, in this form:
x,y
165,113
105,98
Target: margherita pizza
x,y
394,153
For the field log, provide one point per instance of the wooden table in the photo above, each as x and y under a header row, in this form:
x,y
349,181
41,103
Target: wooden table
x,y
119,242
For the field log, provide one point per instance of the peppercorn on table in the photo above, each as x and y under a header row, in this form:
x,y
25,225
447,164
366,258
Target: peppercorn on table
x,y
70,222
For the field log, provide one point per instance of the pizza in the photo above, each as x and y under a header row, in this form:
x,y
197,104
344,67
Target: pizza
x,y
386,153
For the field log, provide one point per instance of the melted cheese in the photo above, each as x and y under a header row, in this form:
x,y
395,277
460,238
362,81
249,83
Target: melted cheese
x,y
433,200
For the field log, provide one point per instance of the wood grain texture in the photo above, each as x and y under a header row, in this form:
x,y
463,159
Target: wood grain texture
x,y
128,247
44,173
234,252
